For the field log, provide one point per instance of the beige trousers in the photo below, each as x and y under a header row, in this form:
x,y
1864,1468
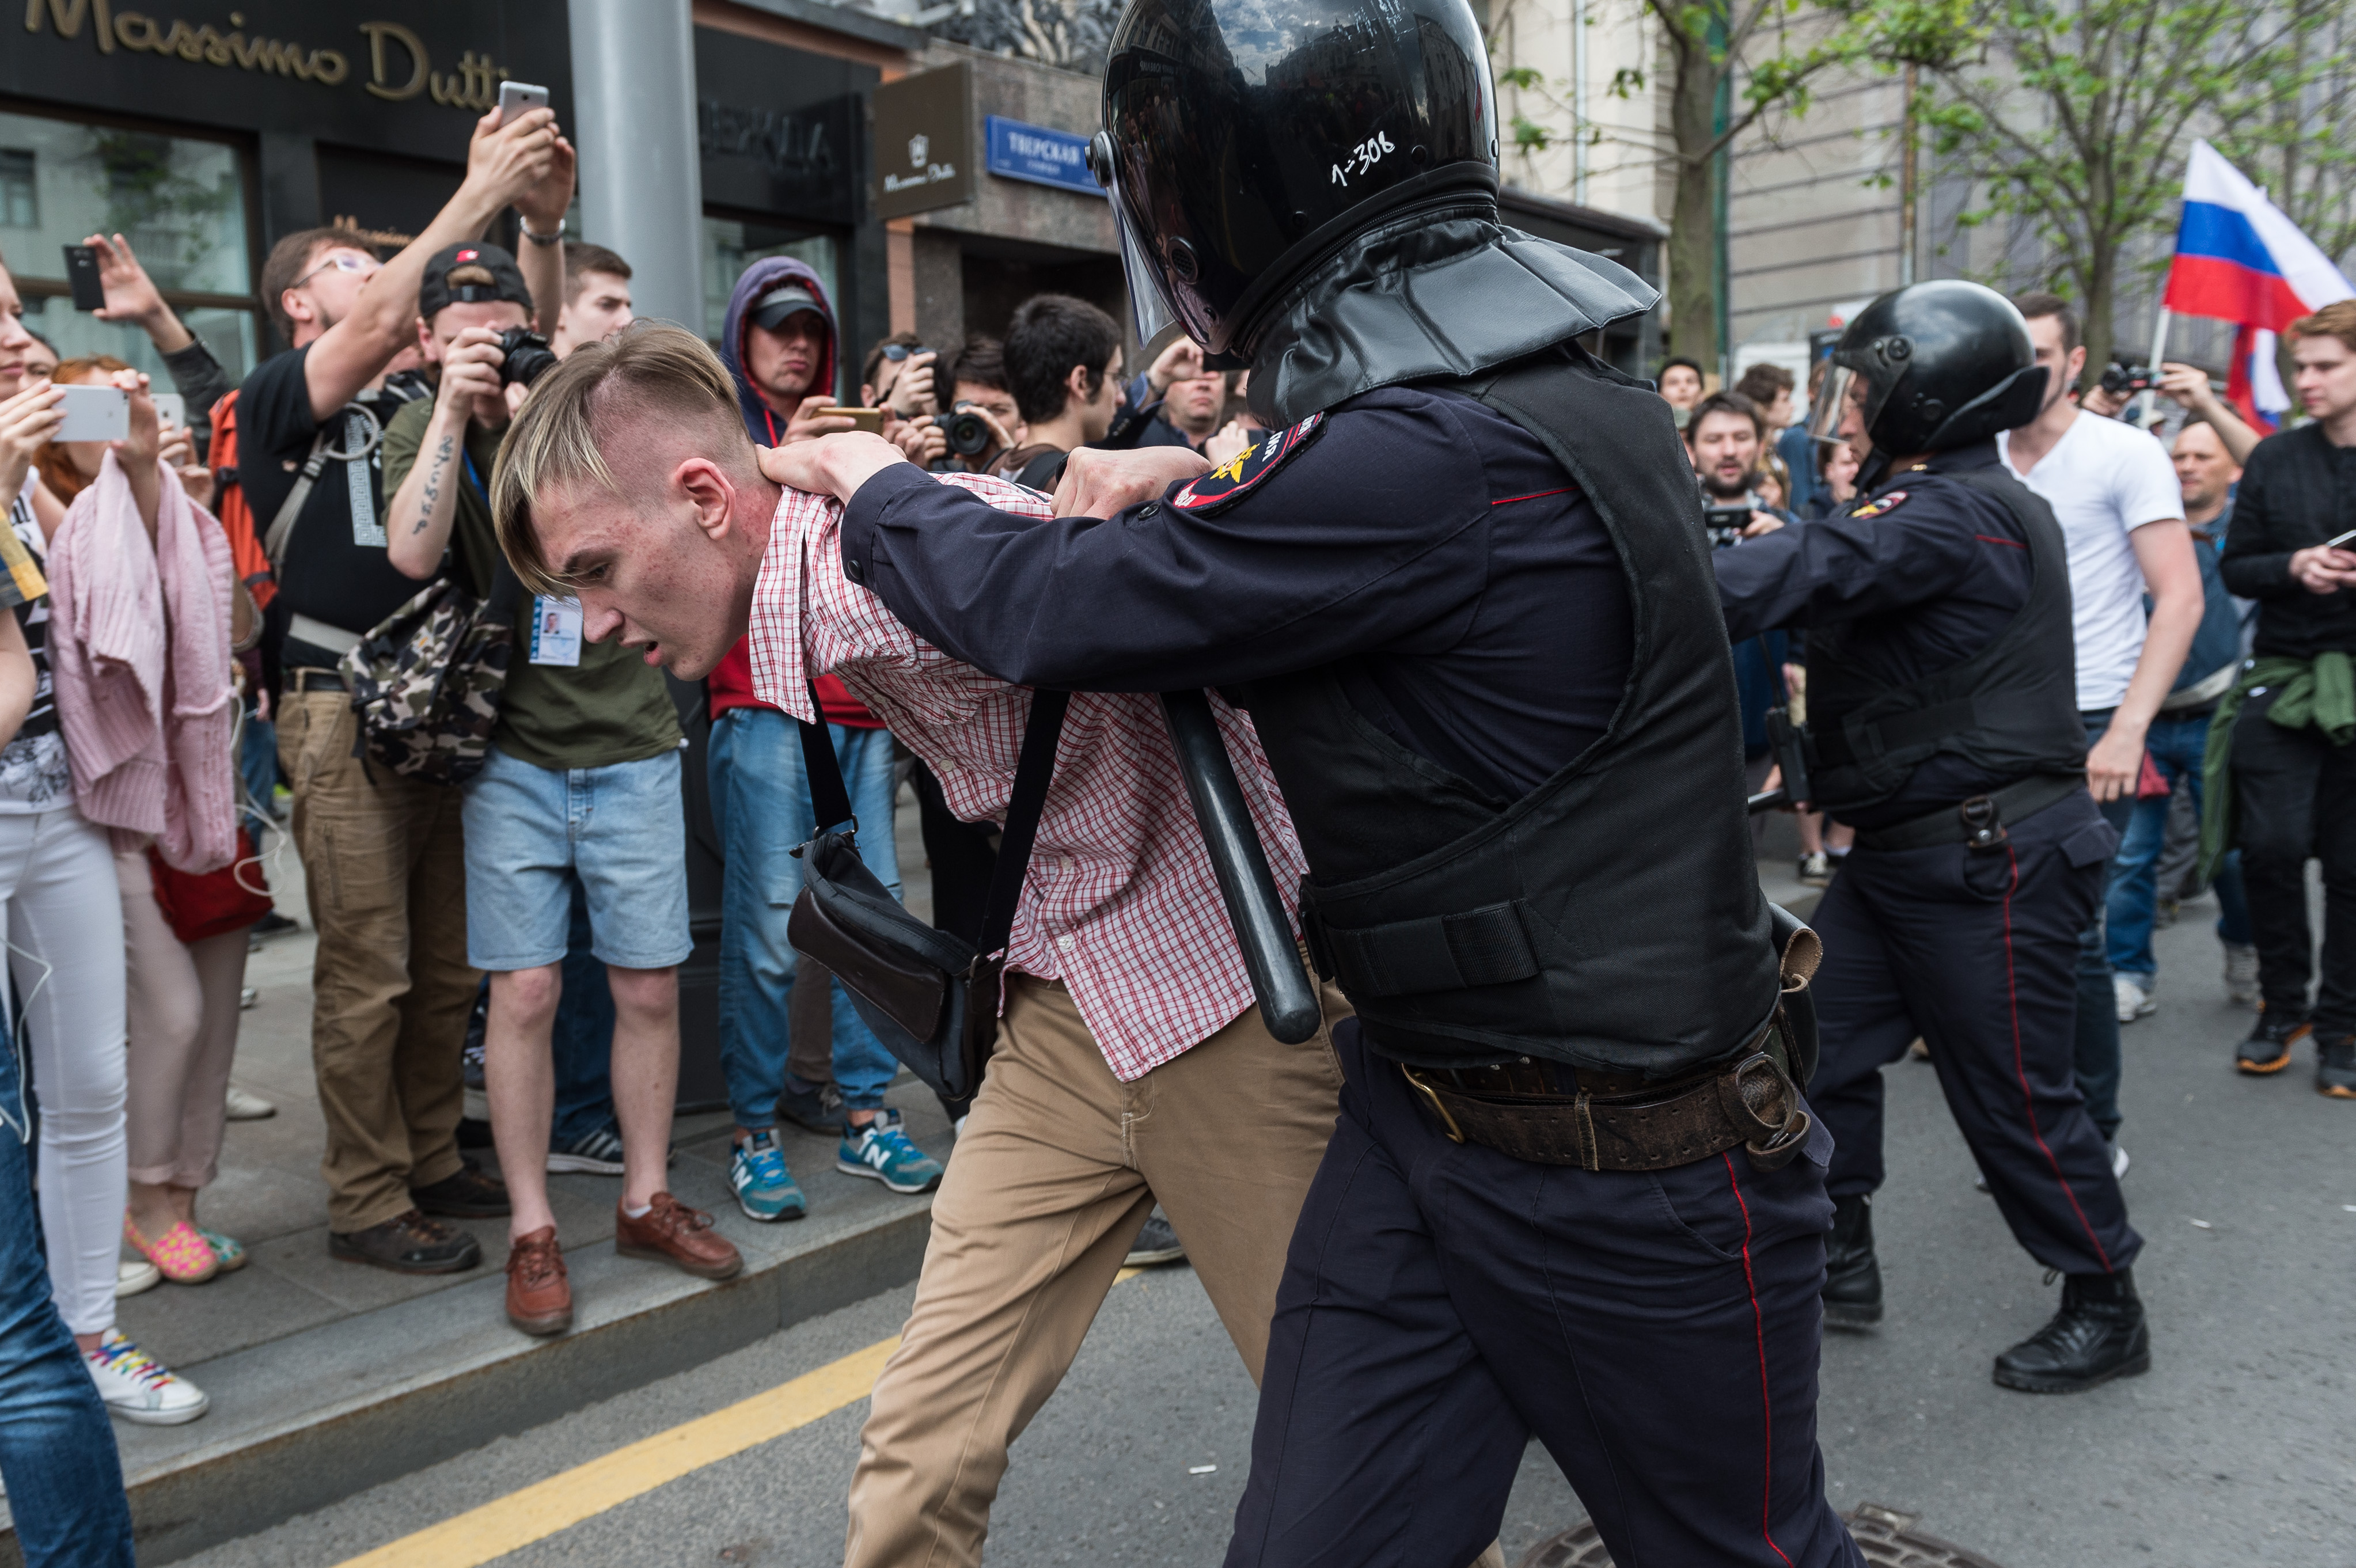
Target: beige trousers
x,y
1059,1166
384,861
182,1006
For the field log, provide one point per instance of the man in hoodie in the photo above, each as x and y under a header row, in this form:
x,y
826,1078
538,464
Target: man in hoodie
x,y
778,341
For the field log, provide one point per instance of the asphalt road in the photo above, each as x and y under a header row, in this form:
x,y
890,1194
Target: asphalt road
x,y
2236,1448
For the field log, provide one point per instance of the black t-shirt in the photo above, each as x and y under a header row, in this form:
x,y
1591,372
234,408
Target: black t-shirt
x,y
329,573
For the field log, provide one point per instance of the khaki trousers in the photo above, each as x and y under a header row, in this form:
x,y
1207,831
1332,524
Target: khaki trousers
x,y
384,859
1059,1164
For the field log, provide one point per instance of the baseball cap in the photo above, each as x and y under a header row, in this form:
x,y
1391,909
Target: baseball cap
x,y
770,311
471,274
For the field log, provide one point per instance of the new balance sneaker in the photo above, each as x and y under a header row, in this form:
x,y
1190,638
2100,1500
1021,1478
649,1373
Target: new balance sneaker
x,y
597,1152
2133,994
2335,1067
2268,1050
139,1388
881,1150
2242,975
765,1189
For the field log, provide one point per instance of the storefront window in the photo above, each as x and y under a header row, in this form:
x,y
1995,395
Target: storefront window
x,y
181,203
730,246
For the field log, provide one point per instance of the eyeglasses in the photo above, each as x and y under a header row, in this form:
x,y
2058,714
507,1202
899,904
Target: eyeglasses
x,y
344,261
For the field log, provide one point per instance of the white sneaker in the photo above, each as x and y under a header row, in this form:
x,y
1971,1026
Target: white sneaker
x,y
2118,1162
245,1107
2134,997
2242,975
133,1275
138,1388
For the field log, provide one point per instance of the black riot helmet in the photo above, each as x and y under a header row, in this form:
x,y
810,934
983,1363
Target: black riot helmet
x,y
1940,365
1246,140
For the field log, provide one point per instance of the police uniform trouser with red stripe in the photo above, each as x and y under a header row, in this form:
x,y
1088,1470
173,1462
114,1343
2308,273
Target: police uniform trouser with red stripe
x,y
1442,1302
1977,951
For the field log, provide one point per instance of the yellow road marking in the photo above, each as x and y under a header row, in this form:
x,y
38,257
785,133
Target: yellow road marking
x,y
484,1534
538,1511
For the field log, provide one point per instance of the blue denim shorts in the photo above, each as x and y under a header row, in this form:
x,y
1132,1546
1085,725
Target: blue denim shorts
x,y
530,831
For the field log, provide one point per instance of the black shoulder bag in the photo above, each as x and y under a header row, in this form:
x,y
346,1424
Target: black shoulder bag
x,y
930,996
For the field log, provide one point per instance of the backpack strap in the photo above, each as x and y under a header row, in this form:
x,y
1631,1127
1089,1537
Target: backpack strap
x,y
281,526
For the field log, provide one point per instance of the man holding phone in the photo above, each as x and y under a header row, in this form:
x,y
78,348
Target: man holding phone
x,y
383,853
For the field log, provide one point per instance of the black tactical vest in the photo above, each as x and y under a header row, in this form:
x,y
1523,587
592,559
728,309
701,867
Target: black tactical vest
x,y
1610,919
2011,708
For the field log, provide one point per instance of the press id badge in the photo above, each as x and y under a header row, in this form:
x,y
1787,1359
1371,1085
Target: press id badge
x,y
555,630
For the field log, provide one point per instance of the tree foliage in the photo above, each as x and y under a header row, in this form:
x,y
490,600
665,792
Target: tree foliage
x,y
2073,116
1069,33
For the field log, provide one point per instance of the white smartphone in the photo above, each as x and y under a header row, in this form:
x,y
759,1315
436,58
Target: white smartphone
x,y
96,414
171,410
515,97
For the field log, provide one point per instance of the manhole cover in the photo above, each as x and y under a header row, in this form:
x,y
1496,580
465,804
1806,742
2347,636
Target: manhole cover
x,y
1887,1537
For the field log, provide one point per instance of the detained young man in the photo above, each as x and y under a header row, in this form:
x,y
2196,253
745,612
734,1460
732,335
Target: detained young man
x,y
1130,1064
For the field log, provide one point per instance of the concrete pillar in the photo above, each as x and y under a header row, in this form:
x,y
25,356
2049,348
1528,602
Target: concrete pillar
x,y
635,124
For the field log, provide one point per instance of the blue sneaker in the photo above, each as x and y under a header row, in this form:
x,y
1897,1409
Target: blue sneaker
x,y
881,1150
764,1187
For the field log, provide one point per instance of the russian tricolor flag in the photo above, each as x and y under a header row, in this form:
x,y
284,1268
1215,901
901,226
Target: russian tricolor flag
x,y
2239,259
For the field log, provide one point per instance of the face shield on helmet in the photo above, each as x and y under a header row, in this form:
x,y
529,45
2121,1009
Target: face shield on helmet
x,y
1837,412
1149,300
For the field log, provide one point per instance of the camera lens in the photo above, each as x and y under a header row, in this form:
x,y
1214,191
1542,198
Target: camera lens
x,y
968,433
527,355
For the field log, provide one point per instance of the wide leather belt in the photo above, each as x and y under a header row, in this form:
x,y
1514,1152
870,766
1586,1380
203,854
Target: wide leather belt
x,y
1979,822
1551,1115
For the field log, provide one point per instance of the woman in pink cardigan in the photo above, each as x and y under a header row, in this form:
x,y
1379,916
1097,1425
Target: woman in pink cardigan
x,y
57,876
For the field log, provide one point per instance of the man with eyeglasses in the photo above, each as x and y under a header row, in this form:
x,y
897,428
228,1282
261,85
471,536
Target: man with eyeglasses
x,y
382,854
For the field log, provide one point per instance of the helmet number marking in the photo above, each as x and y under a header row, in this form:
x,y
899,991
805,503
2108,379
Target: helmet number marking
x,y
1363,156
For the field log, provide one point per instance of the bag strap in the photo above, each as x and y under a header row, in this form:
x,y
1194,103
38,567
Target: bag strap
x,y
273,543
1033,773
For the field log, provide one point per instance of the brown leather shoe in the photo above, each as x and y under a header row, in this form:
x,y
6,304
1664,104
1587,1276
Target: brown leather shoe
x,y
407,1244
540,1299
673,1232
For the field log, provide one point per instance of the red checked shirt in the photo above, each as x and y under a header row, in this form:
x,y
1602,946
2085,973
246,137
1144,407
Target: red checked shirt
x,y
1120,903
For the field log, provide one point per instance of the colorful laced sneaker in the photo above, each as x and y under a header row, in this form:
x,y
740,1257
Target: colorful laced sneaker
x,y
881,1150
138,1388
765,1189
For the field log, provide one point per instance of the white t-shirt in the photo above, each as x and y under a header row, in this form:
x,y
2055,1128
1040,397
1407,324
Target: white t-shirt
x,y
2104,480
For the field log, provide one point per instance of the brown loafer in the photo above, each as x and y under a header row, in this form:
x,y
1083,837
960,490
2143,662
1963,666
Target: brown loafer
x,y
673,1232
540,1297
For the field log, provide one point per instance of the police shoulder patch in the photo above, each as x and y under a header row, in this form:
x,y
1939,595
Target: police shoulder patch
x,y
1223,487
1879,504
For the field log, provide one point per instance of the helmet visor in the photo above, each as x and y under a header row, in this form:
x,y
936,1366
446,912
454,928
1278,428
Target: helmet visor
x,y
1839,404
1148,299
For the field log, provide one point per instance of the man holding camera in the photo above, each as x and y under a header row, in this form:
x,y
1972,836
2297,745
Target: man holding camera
x,y
1724,437
581,784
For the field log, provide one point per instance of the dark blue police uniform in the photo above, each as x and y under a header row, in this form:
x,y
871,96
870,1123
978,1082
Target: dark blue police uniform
x,y
1972,949
1443,1302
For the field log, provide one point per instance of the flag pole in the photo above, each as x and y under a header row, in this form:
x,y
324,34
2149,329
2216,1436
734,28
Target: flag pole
x,y
2159,352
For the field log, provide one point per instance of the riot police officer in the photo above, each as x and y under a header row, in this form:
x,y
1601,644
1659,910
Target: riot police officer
x,y
1942,725
1463,588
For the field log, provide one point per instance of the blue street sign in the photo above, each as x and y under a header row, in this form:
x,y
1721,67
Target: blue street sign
x,y
1033,153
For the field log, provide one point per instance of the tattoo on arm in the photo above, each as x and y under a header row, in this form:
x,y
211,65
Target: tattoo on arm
x,y
434,483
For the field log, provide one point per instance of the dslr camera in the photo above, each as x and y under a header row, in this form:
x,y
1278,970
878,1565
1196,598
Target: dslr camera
x,y
2119,380
525,356
968,433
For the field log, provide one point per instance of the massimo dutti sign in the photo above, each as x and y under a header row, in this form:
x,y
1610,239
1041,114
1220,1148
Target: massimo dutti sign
x,y
332,71
924,141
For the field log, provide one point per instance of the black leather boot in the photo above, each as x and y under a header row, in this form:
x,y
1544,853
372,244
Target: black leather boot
x,y
2098,1335
1852,1277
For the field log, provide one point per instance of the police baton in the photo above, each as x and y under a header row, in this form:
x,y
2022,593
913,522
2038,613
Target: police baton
x,y
1288,1003
1785,742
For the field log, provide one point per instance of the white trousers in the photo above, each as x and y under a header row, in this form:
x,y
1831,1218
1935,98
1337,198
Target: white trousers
x,y
66,957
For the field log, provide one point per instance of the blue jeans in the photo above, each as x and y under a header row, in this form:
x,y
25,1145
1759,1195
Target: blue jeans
x,y
2177,747
56,1443
2097,1049
761,796
583,1037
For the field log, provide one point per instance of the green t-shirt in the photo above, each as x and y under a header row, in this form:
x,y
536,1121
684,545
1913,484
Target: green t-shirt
x,y
610,708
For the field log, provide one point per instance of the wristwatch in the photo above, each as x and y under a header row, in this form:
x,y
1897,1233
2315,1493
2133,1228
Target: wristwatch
x,y
524,225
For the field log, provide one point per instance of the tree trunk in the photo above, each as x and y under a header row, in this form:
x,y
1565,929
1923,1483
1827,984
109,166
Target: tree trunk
x,y
2102,288
1693,217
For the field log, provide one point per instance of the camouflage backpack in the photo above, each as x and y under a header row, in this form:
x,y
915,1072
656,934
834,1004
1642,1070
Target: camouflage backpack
x,y
426,681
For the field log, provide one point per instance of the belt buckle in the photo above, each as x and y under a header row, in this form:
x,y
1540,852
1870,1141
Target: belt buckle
x,y
1432,1097
1983,828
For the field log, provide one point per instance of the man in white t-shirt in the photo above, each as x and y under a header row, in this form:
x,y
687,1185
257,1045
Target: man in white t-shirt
x,y
2122,515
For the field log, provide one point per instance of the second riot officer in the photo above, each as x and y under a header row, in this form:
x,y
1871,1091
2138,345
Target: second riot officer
x,y
1942,727
1462,586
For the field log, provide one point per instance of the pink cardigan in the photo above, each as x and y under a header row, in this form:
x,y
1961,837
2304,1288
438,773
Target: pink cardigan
x,y
138,647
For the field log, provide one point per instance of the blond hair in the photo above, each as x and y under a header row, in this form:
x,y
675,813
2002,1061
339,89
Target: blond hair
x,y
2337,319
650,371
